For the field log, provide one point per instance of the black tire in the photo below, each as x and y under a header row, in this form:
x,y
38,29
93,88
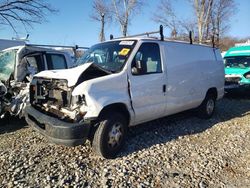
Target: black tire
x,y
207,107
110,135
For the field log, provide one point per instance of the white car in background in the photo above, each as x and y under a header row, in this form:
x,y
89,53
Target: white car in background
x,y
5,43
17,67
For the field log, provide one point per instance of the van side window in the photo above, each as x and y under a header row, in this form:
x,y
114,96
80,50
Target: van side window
x,y
148,59
36,61
56,61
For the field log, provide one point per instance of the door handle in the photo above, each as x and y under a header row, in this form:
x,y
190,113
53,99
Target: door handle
x,y
164,88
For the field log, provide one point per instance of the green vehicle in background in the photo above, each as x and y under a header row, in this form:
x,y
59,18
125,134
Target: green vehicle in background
x,y
237,68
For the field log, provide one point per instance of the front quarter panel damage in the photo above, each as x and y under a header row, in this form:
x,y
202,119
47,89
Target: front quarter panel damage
x,y
92,91
103,91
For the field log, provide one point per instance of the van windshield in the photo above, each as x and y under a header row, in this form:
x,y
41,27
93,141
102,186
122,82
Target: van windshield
x,y
110,56
237,62
7,64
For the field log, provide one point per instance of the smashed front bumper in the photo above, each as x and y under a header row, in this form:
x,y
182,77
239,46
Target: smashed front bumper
x,y
57,131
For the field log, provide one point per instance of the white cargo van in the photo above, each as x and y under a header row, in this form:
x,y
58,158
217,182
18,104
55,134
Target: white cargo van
x,y
122,83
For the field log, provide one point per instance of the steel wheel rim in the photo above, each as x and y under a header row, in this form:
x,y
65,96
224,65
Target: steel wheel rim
x,y
210,106
115,135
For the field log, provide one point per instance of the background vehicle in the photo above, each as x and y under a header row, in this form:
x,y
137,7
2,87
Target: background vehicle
x,y
121,83
17,67
4,43
237,68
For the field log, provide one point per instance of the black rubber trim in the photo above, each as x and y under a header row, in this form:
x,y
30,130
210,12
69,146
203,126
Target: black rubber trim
x,y
58,131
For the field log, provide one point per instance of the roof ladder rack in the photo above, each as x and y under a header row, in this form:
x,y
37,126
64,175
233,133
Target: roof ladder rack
x,y
190,37
55,46
213,44
160,31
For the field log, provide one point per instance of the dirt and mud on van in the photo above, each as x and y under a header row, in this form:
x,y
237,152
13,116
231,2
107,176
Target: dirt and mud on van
x,y
17,67
121,83
237,68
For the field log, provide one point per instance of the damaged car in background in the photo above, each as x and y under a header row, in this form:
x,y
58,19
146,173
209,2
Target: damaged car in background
x,y
121,83
237,69
17,67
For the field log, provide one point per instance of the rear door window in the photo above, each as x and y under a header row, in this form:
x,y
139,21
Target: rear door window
x,y
36,62
56,61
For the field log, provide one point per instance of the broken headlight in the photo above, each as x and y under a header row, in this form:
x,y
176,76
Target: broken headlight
x,y
80,103
77,100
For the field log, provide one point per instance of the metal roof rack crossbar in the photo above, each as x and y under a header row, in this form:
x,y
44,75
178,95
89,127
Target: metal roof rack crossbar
x,y
160,31
60,46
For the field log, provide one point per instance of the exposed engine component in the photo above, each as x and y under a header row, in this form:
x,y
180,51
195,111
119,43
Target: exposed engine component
x,y
14,100
54,97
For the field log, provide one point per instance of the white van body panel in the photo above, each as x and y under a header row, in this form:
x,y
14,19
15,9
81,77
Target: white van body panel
x,y
148,99
103,91
191,70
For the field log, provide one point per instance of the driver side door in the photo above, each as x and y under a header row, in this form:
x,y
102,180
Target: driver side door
x,y
148,83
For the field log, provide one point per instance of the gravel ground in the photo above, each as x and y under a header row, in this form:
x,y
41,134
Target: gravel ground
x,y
178,151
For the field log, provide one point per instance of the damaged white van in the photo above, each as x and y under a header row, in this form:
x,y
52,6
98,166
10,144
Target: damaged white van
x,y
122,83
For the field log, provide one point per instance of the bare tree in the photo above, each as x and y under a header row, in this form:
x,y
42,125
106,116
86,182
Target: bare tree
x,y
26,12
187,26
123,10
203,9
211,18
165,15
221,13
101,13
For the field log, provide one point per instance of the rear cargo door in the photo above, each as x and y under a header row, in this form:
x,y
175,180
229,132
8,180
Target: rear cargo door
x,y
148,85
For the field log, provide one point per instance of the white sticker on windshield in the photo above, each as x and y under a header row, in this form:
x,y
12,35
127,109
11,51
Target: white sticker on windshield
x,y
127,42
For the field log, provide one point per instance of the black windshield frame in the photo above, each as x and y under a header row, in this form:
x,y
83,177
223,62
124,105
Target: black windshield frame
x,y
111,56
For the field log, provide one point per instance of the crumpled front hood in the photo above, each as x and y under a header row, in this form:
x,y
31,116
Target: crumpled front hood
x,y
236,71
71,75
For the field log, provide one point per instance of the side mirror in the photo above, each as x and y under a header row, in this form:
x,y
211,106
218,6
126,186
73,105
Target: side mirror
x,y
137,69
138,65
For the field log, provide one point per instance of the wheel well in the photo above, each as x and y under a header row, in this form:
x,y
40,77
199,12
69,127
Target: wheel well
x,y
213,92
116,107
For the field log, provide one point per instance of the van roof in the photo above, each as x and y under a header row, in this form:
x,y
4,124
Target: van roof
x,y
238,51
156,40
37,48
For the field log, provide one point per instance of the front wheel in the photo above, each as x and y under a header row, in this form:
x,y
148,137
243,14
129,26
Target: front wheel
x,y
110,135
207,107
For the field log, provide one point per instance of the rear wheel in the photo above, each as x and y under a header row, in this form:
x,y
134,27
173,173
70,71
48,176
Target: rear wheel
x,y
110,135
207,108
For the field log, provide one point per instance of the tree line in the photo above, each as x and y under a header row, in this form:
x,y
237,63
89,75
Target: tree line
x,y
210,17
